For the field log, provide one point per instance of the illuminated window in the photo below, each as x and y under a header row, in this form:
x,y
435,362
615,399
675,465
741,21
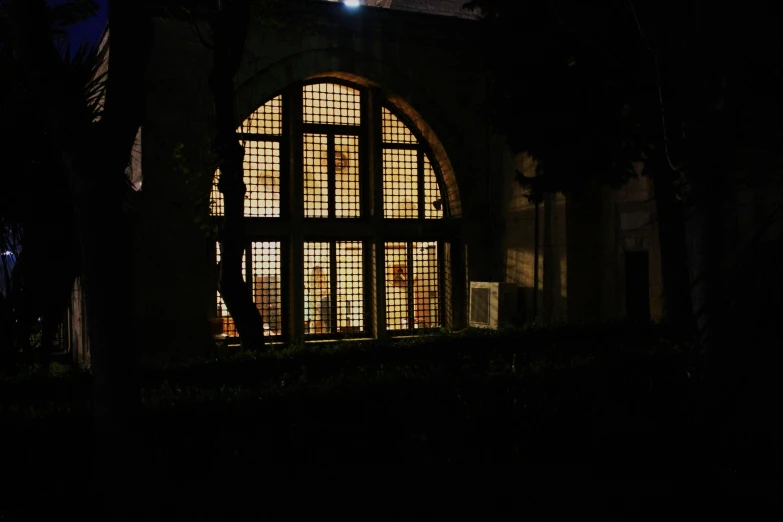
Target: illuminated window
x,y
334,288
334,283
265,283
412,286
410,187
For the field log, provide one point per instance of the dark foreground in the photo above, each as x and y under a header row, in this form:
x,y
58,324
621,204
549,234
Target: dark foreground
x,y
482,427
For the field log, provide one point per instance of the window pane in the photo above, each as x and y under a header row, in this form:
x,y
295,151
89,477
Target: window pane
x,y
262,178
350,287
433,203
216,197
267,291
267,119
346,171
426,285
400,184
222,311
331,103
394,131
397,291
318,309
316,176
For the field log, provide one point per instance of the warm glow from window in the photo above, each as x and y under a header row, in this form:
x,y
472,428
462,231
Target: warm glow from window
x,y
334,288
339,286
331,104
261,165
267,119
412,302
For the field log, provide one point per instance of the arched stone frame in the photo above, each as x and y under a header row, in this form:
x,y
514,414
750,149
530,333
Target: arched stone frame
x,y
291,235
434,125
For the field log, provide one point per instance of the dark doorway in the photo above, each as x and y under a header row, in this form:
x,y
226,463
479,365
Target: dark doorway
x,y
637,286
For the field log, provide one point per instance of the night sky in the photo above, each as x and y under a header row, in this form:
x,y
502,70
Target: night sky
x,y
90,30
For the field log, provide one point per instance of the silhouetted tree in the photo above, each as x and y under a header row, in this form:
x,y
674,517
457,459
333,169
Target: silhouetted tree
x,y
589,88
229,29
35,201
95,155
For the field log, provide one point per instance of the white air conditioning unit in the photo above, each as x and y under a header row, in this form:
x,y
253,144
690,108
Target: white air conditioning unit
x,y
492,305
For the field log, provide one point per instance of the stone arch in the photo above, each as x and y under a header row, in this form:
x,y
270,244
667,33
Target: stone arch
x,y
427,118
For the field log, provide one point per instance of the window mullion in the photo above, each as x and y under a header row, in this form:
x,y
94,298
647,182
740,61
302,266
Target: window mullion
x,y
333,285
330,176
411,295
441,250
420,181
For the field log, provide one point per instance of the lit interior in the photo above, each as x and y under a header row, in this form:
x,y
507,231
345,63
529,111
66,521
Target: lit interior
x,y
337,288
260,134
412,302
407,171
334,288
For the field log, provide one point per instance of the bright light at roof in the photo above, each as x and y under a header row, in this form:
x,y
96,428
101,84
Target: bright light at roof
x,y
352,3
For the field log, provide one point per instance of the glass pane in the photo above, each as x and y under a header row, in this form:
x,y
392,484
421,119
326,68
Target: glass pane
x,y
426,285
267,290
394,131
433,203
216,197
397,296
346,172
267,119
400,184
318,302
331,103
262,178
350,287
227,323
316,176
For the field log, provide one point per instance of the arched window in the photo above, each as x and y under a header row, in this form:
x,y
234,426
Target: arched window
x,y
339,188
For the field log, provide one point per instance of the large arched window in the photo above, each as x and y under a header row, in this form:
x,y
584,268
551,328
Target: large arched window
x,y
342,207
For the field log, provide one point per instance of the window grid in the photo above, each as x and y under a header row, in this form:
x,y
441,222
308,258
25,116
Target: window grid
x,y
262,178
267,119
426,285
398,315
394,131
267,289
216,197
347,196
336,292
400,184
433,203
350,287
331,103
316,176
412,303
318,288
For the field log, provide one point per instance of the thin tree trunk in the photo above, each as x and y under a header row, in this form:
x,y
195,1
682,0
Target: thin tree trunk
x,y
674,256
230,30
702,223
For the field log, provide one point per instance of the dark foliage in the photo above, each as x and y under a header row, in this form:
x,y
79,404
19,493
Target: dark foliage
x,y
568,411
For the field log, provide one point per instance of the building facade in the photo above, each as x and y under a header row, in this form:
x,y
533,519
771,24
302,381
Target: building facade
x,y
377,188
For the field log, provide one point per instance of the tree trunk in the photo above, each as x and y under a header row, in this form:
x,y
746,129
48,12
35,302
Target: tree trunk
x,y
230,30
702,226
674,256
95,156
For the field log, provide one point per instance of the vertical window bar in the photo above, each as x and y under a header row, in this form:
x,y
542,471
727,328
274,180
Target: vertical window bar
x,y
411,295
333,281
330,175
441,283
420,181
